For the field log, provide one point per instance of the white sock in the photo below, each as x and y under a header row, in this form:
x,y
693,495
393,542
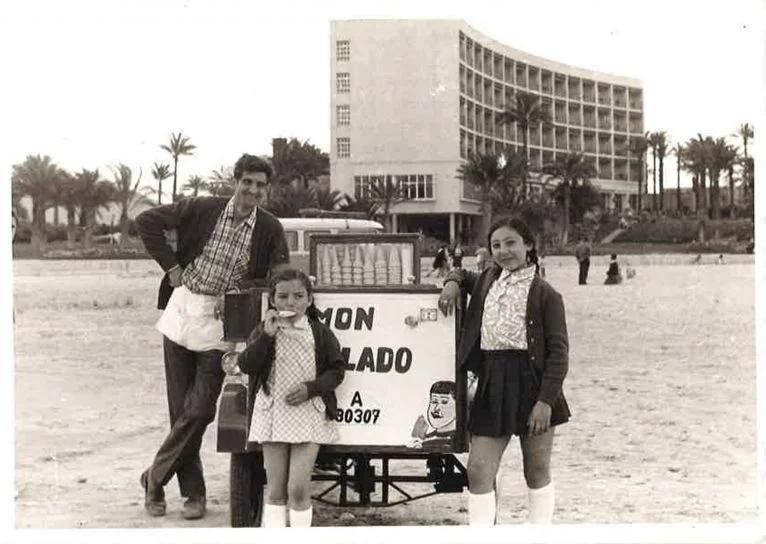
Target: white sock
x,y
498,493
274,515
481,509
541,502
300,518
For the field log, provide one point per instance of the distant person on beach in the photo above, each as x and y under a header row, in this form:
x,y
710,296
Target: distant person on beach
x,y
223,243
613,274
582,253
296,363
483,259
720,260
515,339
457,256
440,266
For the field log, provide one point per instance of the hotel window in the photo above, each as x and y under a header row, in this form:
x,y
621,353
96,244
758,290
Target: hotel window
x,y
342,50
343,114
344,82
417,187
344,148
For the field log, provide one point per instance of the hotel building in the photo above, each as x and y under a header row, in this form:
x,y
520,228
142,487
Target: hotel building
x,y
411,98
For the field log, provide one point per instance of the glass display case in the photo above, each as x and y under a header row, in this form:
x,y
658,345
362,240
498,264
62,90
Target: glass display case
x,y
364,260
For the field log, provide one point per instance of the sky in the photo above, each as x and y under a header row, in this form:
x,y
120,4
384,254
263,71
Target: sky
x,y
96,83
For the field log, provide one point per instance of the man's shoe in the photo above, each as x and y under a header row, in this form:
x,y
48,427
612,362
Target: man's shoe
x,y
154,501
194,508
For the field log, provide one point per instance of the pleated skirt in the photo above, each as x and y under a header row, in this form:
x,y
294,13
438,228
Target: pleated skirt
x,y
507,390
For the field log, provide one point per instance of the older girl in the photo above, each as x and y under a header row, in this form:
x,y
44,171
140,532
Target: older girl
x,y
515,339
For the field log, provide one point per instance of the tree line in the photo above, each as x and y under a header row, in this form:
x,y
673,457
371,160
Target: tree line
x,y
501,177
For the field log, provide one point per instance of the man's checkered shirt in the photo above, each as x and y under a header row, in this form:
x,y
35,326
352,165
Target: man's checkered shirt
x,y
223,263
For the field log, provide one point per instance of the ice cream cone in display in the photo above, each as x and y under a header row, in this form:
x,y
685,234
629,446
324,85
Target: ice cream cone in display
x,y
356,267
407,271
368,270
381,272
394,265
335,277
325,275
345,267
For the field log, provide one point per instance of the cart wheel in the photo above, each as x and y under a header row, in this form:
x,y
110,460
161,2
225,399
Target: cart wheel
x,y
246,480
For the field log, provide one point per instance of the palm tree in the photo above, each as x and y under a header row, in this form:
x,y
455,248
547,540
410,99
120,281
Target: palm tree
x,y
746,131
638,146
729,159
653,140
526,110
35,177
696,159
387,193
93,193
195,184
287,201
328,199
571,169
160,172
507,196
179,145
363,204
662,151
485,172
71,198
221,182
125,195
678,150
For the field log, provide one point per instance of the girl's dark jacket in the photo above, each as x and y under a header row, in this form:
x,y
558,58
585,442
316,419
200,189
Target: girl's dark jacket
x,y
547,341
257,360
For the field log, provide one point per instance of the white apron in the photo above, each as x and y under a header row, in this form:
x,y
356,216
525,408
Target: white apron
x,y
189,321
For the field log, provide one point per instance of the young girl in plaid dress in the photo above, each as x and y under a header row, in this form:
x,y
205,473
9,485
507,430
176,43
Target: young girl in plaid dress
x,y
297,363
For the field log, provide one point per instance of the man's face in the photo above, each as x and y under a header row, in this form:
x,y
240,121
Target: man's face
x,y
441,410
250,192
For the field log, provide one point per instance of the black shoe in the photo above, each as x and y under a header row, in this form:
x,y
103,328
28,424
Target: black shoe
x,y
154,501
194,508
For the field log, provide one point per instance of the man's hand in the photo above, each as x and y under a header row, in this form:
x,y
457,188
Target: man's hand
x,y
174,276
540,418
449,297
297,395
218,310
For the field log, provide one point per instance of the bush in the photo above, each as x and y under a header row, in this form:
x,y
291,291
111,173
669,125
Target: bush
x,y
684,231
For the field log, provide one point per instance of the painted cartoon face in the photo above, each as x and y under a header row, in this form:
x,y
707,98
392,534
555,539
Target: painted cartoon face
x,y
441,410
509,249
292,295
250,192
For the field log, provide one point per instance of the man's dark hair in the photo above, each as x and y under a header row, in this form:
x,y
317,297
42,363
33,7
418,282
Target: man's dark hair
x,y
251,163
443,388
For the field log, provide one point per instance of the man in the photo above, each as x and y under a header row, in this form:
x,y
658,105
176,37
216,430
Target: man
x,y
222,244
483,259
582,252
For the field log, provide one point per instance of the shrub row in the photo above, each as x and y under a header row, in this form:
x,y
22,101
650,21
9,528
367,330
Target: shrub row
x,y
685,231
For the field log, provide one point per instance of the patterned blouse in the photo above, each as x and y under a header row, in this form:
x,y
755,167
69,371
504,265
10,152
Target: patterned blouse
x,y
503,323
224,260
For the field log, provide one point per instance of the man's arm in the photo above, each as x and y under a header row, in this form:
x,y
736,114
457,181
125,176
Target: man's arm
x,y
152,224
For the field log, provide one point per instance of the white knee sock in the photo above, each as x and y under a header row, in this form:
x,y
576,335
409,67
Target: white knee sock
x,y
300,518
541,502
274,515
481,508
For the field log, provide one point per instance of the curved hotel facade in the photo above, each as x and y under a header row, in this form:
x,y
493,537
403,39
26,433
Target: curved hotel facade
x,y
411,98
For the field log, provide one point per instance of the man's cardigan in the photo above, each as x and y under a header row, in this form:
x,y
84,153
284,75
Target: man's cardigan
x,y
194,220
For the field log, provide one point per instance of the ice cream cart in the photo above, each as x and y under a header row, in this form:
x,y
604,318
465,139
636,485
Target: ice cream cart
x,y
401,398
